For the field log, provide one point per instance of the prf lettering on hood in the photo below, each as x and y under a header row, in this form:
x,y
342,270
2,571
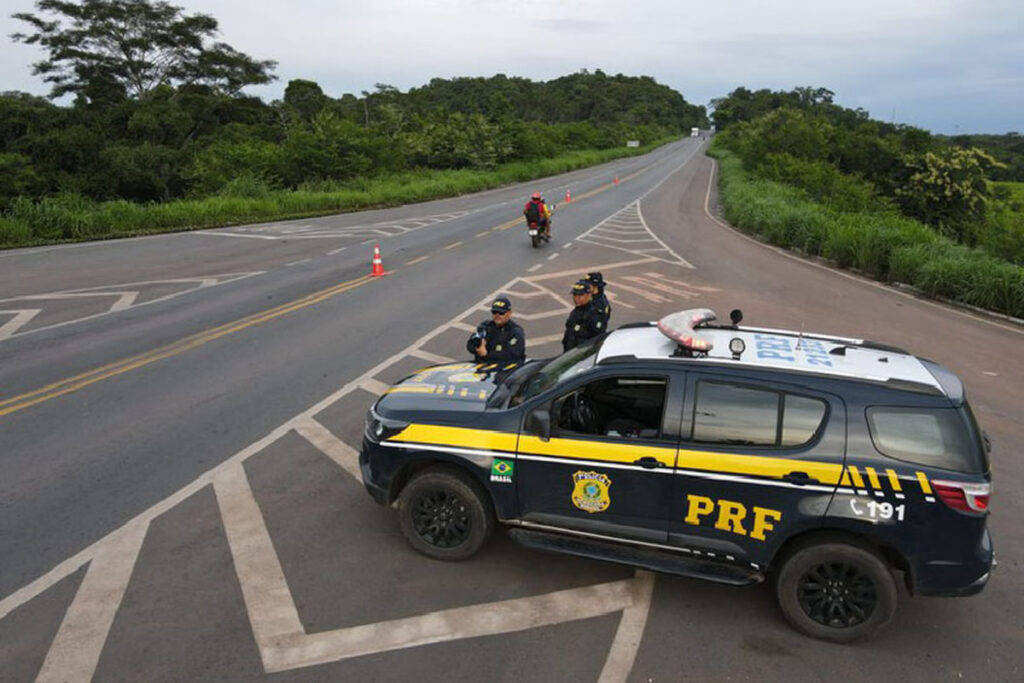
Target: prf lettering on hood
x,y
731,516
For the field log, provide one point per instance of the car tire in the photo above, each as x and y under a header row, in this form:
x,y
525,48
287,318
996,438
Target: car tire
x,y
836,591
444,514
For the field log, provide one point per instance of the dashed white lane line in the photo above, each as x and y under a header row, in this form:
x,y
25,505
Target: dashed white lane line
x,y
416,260
76,648
532,269
332,252
295,263
622,654
552,257
453,245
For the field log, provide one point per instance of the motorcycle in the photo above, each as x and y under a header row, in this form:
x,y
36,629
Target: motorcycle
x,y
537,231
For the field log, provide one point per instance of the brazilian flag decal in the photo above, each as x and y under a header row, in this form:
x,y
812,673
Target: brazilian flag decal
x,y
501,471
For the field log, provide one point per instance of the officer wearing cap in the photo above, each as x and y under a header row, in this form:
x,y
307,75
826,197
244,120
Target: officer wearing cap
x,y
584,322
598,299
500,339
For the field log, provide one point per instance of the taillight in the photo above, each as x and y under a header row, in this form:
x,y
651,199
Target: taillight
x,y
963,496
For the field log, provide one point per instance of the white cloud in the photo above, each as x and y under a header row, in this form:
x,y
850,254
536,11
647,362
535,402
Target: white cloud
x,y
934,62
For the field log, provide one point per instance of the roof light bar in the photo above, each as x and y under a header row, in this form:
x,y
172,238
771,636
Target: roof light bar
x,y
680,328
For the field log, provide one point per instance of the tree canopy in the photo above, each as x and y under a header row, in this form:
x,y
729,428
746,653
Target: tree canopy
x,y
110,49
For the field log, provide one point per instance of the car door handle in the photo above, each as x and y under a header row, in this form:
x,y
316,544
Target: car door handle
x,y
648,462
799,478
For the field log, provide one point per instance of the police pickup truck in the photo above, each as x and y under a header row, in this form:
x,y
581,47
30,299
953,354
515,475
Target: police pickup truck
x,y
729,453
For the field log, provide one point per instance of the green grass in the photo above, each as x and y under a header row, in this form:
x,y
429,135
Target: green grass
x,y
69,218
881,244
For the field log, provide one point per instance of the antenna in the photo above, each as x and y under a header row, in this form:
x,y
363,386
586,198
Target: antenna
x,y
801,337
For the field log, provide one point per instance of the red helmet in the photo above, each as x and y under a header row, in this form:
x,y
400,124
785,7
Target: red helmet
x,y
535,196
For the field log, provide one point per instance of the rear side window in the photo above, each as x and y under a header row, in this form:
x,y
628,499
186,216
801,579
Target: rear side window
x,y
935,437
747,416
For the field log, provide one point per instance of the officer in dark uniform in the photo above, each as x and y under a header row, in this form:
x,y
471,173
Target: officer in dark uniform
x,y
584,322
500,339
598,298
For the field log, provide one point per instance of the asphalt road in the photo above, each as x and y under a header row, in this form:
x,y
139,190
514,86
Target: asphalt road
x,y
139,377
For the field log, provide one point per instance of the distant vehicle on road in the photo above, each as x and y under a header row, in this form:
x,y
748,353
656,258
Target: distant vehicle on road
x,y
727,453
694,132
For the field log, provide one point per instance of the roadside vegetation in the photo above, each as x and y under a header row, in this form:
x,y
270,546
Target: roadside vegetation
x,y
889,201
164,138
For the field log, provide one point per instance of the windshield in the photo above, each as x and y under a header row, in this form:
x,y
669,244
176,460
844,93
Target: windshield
x,y
557,370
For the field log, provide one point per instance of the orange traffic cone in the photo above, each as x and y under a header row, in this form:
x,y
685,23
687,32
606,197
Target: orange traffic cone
x,y
568,197
378,264
616,180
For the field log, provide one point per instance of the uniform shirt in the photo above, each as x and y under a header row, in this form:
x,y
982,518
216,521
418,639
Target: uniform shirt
x,y
584,322
506,344
604,309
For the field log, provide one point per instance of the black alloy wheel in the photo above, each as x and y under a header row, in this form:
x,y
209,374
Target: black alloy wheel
x,y
837,595
445,513
838,590
441,519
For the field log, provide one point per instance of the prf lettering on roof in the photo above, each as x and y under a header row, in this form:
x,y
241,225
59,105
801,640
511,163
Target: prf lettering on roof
x,y
770,347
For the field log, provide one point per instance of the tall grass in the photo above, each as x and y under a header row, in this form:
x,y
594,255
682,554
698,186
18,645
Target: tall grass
x,y
881,244
70,217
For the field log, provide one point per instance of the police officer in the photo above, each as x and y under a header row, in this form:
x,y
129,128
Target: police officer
x,y
600,301
583,322
500,339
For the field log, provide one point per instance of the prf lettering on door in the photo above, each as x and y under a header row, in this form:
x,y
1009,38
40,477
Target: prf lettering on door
x,y
731,516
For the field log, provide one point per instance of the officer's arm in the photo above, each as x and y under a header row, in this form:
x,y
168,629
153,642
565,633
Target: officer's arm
x,y
518,346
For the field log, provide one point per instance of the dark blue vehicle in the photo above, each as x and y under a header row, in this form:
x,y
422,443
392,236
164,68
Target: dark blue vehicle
x,y
830,465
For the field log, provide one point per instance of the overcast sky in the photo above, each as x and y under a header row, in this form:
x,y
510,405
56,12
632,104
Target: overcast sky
x,y
945,65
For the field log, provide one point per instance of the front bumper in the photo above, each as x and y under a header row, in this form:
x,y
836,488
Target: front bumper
x,y
377,489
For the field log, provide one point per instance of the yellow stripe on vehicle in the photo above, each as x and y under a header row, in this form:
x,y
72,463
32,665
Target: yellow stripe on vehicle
x,y
923,480
851,477
894,480
409,389
457,436
873,478
596,450
734,463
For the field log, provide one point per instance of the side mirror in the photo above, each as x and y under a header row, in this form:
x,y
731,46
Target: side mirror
x,y
539,423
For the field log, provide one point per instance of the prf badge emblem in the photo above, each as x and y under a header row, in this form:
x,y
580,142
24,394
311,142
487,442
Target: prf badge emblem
x,y
501,471
590,493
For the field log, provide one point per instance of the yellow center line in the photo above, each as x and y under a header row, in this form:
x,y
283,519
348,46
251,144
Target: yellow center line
x,y
452,245
508,224
417,260
80,381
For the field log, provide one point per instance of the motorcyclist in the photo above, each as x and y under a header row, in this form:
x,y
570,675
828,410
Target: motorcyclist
x,y
537,211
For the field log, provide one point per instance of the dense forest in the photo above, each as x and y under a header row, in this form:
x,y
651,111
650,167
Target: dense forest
x,y
155,124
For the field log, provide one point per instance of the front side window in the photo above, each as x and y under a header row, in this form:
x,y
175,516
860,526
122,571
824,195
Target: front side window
x,y
937,437
746,416
616,407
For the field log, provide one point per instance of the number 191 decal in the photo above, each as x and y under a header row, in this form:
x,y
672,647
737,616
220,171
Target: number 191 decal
x,y
877,511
